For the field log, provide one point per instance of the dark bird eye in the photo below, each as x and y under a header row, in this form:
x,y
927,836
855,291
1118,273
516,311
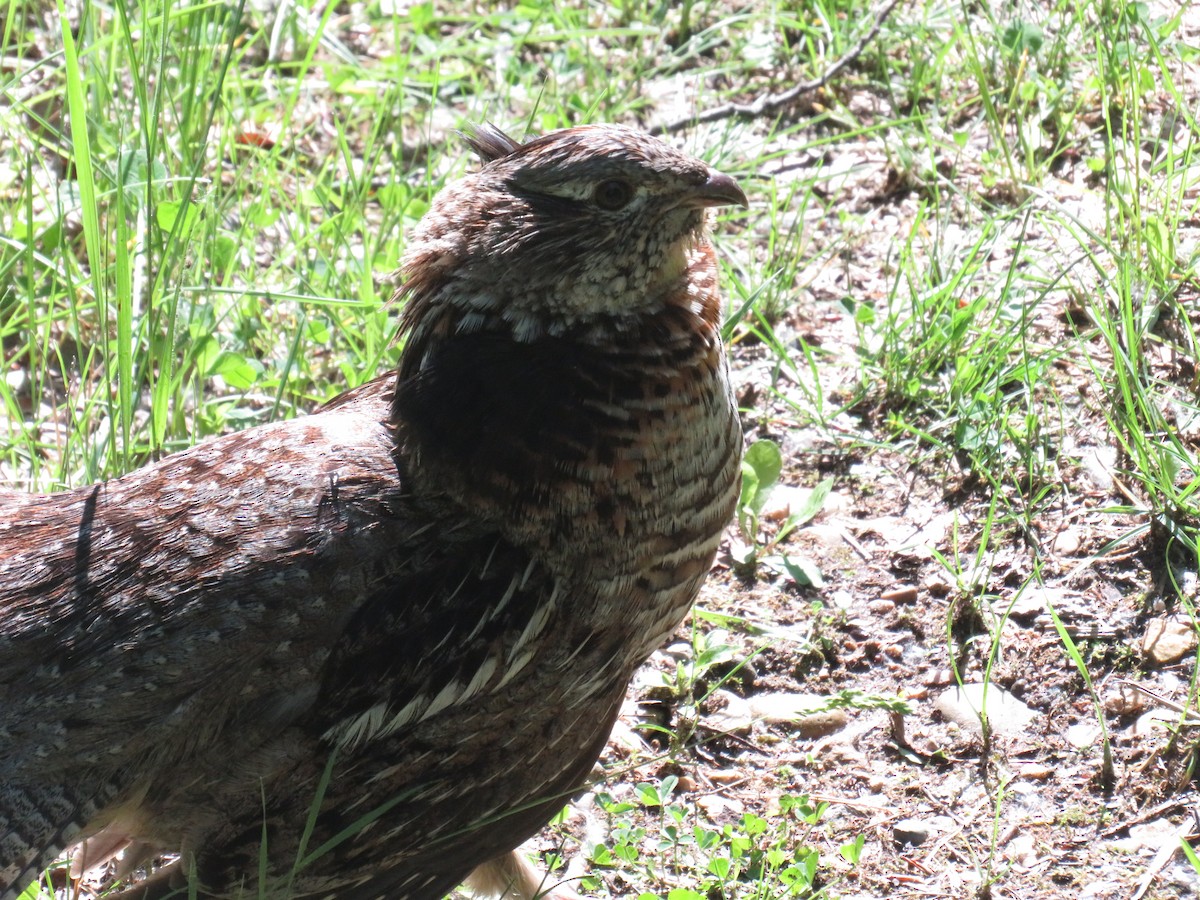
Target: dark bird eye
x,y
612,194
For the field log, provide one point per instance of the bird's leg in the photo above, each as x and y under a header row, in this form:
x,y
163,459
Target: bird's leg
x,y
513,877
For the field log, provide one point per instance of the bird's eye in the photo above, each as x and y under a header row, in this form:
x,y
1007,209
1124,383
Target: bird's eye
x,y
612,194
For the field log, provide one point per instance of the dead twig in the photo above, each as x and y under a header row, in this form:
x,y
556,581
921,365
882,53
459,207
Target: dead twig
x,y
1189,717
773,103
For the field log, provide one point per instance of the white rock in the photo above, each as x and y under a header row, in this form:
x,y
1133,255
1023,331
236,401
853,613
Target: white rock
x,y
1006,714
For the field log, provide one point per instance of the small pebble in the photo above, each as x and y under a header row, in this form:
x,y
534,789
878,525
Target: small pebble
x,y
935,587
913,832
732,715
726,776
715,806
1125,701
1036,772
1067,543
903,594
1168,640
802,714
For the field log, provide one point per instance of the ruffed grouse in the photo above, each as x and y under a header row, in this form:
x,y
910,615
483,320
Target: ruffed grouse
x,y
360,653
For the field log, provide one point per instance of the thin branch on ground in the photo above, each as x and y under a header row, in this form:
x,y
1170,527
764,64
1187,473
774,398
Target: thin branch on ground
x,y
771,104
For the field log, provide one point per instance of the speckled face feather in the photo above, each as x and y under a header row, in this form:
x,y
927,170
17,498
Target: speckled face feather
x,y
556,256
415,611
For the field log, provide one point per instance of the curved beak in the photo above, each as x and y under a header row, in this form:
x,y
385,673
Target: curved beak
x,y
719,190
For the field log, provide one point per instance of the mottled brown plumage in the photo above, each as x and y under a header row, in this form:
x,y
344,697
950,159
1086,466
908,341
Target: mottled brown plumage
x,y
405,622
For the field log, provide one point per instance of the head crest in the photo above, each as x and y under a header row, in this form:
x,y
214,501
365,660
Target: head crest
x,y
489,142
